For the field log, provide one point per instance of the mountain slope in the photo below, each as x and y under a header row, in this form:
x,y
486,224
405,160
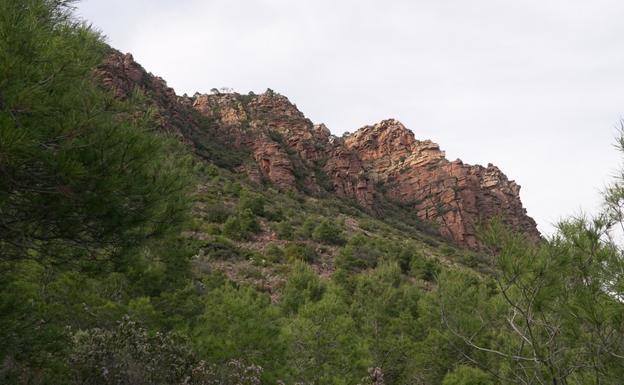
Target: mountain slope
x,y
377,165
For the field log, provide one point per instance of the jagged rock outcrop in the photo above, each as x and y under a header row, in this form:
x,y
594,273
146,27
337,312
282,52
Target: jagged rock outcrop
x,y
454,195
285,145
121,74
382,161
377,163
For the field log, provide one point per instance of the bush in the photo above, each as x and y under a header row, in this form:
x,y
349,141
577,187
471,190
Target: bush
x,y
128,354
303,286
284,230
217,213
212,229
232,228
308,226
251,201
328,232
241,226
239,323
425,268
248,222
273,253
358,254
299,252
232,188
368,225
276,214
220,249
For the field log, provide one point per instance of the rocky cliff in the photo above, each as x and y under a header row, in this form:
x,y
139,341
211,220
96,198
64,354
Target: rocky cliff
x,y
379,163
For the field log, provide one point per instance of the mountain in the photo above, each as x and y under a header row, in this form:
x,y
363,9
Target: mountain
x,y
158,239
377,165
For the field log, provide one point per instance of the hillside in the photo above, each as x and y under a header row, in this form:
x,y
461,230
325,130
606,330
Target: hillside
x,y
153,238
375,185
378,165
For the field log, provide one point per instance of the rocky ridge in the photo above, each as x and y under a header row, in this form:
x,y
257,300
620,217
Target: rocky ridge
x,y
377,163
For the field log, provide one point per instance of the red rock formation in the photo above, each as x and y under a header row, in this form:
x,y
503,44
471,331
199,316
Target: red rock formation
x,y
379,162
284,143
453,195
121,74
382,161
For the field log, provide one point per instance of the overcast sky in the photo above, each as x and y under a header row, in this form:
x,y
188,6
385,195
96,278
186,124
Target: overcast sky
x,y
533,86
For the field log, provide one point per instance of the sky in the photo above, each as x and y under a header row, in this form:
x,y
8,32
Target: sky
x,y
535,87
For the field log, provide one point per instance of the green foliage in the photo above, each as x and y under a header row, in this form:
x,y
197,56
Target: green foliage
x,y
299,251
425,268
128,354
252,202
220,248
467,375
365,252
83,174
546,304
241,226
308,227
321,345
92,198
274,253
239,323
217,213
328,232
303,286
284,230
385,310
358,255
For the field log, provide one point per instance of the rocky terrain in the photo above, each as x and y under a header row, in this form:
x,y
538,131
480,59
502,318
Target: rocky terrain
x,y
378,163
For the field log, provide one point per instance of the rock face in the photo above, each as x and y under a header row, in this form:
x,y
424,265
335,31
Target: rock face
x,y
454,195
284,144
377,163
382,161
121,74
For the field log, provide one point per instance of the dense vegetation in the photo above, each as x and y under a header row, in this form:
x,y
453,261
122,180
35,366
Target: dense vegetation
x,y
125,260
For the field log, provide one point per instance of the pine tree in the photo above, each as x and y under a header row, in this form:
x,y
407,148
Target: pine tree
x,y
81,174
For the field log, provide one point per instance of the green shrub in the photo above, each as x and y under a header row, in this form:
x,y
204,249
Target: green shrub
x,y
232,188
241,323
232,228
249,223
308,226
298,251
274,215
217,212
241,226
212,229
251,201
425,268
328,232
358,254
274,253
220,248
303,286
284,230
368,225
